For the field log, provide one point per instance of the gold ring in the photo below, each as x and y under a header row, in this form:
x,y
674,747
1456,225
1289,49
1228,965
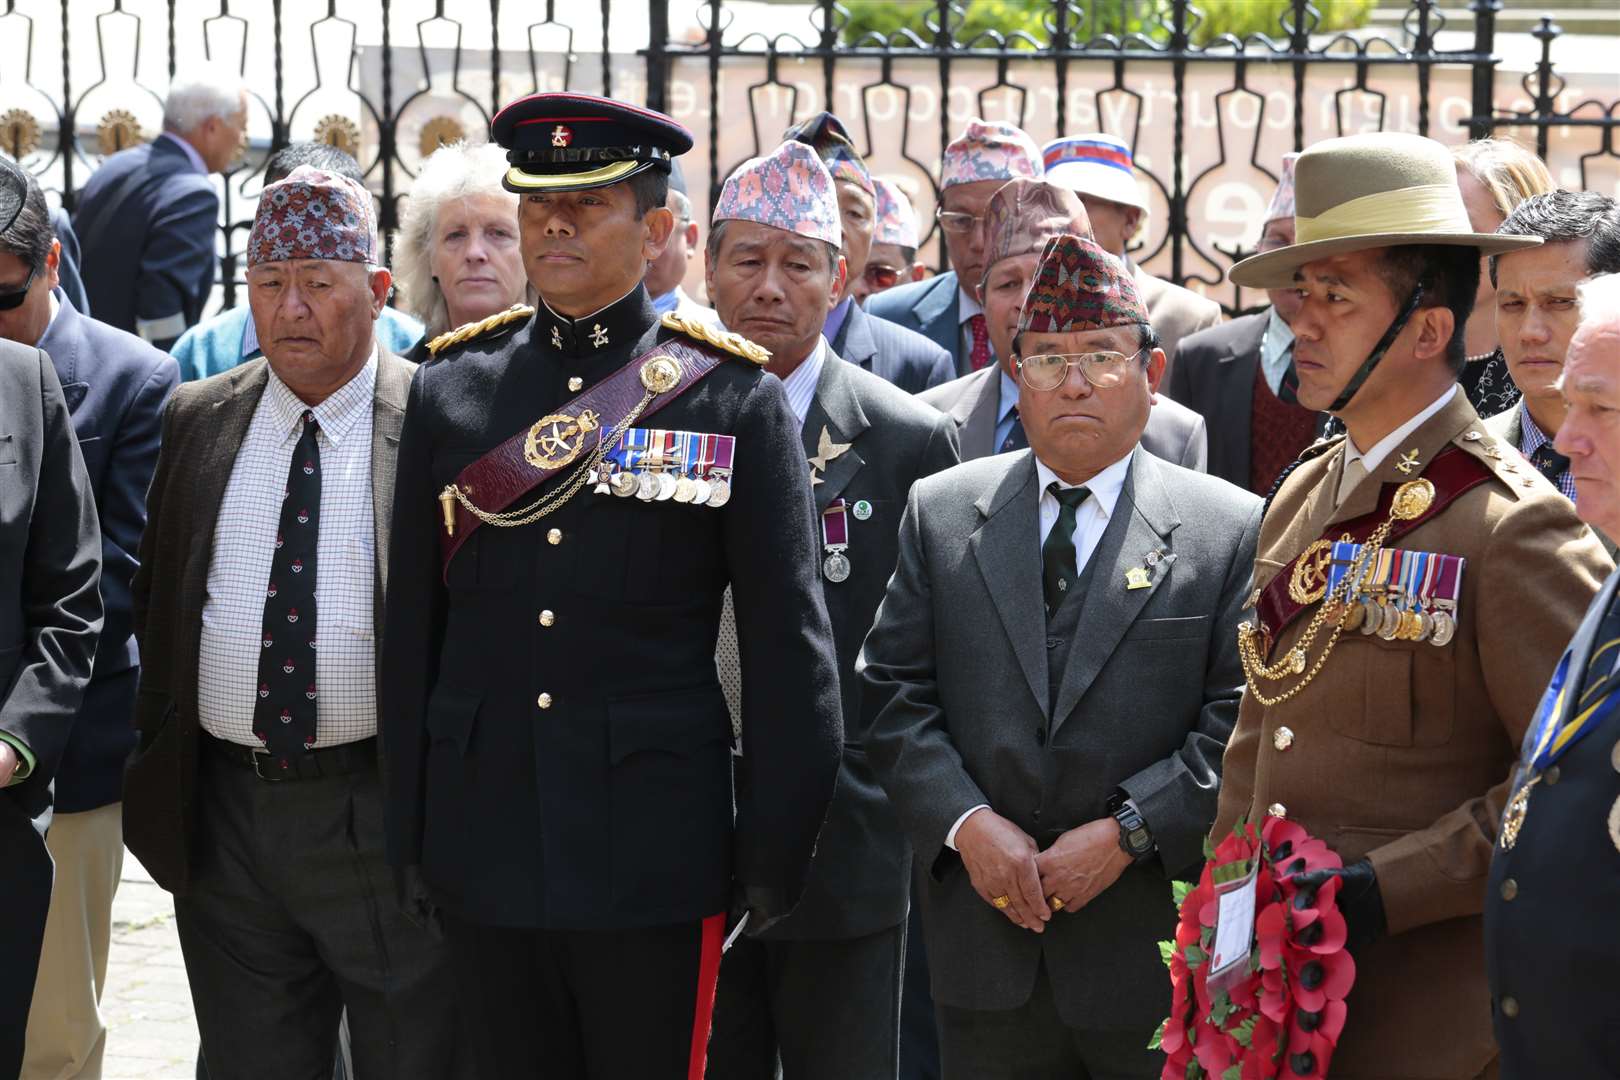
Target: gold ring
x,y
1056,901
1001,902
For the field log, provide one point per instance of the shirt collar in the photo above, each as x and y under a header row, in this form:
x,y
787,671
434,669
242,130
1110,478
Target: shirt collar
x,y
1009,394
1104,487
836,318
966,305
1385,446
610,327
336,415
802,380
1276,342
1531,437
191,151
56,309
668,302
250,335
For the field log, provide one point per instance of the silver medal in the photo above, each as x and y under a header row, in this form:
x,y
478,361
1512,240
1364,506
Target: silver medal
x,y
835,567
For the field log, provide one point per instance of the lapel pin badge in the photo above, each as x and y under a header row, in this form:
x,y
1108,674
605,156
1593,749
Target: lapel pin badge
x,y
1137,578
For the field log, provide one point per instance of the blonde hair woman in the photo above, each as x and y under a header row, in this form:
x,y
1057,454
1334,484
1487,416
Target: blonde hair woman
x,y
1495,175
456,254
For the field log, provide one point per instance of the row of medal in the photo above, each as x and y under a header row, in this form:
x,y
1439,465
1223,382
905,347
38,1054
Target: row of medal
x,y
655,465
1401,595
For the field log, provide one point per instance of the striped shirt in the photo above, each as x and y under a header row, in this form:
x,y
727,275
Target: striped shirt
x,y
801,381
1531,439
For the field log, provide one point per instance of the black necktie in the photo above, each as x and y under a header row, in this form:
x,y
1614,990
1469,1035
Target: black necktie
x,y
1288,389
1058,567
1549,462
1015,439
284,713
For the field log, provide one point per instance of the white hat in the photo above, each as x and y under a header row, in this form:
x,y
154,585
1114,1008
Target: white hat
x,y
1096,164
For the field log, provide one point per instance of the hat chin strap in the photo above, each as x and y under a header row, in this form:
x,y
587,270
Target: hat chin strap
x,y
1353,387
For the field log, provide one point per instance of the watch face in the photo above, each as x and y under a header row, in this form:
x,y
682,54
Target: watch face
x,y
1138,839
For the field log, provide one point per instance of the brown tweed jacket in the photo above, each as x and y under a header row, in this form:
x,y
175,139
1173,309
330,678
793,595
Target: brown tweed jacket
x,y
1402,751
203,428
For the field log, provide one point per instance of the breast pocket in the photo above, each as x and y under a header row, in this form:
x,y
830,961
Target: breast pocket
x,y
358,559
8,450
1381,705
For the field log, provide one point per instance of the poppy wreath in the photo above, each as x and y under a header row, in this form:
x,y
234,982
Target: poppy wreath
x,y
1282,1018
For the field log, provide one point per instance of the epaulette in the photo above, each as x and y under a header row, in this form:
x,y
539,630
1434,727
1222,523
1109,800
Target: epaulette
x,y
732,343
461,334
1310,453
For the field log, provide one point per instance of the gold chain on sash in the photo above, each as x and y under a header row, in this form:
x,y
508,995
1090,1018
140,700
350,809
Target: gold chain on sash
x,y
1412,500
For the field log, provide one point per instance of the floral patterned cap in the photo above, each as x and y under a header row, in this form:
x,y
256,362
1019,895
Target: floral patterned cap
x,y
789,189
1023,214
1079,286
313,215
990,150
896,220
1282,203
826,133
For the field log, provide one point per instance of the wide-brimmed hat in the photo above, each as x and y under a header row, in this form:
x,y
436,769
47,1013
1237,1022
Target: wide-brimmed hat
x,y
1096,164
1370,191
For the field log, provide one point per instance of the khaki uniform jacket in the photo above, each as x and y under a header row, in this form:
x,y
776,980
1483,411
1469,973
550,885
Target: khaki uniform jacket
x,y
1401,751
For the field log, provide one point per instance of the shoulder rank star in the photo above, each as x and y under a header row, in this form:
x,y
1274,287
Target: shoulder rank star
x,y
1408,462
826,451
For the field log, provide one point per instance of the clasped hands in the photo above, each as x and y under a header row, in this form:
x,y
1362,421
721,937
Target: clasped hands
x,y
1002,862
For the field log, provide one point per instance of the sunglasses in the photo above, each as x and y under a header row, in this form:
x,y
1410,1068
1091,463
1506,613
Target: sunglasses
x,y
1047,371
881,277
9,300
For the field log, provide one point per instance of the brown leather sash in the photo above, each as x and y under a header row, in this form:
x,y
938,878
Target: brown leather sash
x,y
1452,472
505,474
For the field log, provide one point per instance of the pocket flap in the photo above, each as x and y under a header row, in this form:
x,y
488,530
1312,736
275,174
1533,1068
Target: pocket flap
x,y
677,723
1194,626
451,713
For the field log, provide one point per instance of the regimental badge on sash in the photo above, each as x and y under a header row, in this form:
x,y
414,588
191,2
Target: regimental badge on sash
x,y
656,465
1400,595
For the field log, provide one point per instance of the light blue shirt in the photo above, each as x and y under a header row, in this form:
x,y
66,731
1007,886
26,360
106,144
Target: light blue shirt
x,y
1276,349
1007,409
220,343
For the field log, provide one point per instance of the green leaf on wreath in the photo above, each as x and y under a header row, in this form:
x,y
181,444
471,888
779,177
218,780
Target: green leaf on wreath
x,y
1209,850
1195,957
1179,891
1167,949
1195,1071
1158,1035
1233,1072
1244,1032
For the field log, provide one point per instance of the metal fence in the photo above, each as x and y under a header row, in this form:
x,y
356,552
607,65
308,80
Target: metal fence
x,y
390,80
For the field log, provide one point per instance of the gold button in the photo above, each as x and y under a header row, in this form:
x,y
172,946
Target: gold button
x,y
1282,738
547,618
1510,888
576,384
1510,1007
554,537
1277,809
1614,757
1552,775
544,701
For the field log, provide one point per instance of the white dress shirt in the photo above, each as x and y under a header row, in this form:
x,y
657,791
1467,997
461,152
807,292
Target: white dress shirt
x,y
1089,523
1276,349
244,545
1384,447
801,381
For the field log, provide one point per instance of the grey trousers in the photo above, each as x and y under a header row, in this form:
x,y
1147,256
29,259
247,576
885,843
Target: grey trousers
x,y
816,1010
291,919
1032,1042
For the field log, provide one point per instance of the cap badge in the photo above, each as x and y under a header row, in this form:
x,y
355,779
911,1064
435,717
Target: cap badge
x,y
562,135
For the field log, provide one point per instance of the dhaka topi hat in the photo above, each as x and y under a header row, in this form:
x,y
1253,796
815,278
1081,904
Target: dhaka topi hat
x,y
313,214
574,142
1079,287
896,220
1096,164
826,133
13,191
1282,201
788,189
1384,189
1024,214
989,150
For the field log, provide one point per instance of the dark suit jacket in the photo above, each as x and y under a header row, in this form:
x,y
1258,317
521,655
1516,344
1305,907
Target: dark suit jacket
x,y
858,881
67,267
931,308
889,351
1560,879
115,385
957,712
203,428
147,221
1173,432
610,806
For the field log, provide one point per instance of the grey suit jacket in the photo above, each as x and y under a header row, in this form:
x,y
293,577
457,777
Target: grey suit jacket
x,y
956,713
1173,432
930,307
890,351
1175,312
203,428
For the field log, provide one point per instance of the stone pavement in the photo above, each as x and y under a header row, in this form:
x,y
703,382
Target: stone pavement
x,y
151,1033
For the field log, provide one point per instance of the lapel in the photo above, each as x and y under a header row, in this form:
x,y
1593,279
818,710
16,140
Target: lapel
x,y
1007,548
387,418
1428,440
856,344
1143,519
937,315
837,408
975,413
1234,393
61,342
227,419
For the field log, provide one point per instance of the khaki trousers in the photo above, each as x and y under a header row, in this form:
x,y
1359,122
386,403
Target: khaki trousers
x,y
66,1037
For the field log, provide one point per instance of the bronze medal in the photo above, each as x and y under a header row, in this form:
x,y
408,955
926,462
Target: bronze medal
x,y
685,488
623,484
1354,616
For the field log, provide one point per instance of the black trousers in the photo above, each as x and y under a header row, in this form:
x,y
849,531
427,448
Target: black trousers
x,y
587,1004
26,885
816,1010
919,1032
1032,1042
291,919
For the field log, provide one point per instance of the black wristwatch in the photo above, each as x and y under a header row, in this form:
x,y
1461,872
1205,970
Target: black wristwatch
x,y
1134,838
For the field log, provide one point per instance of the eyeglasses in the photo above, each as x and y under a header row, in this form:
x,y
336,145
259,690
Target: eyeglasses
x,y
1048,371
955,222
881,277
9,300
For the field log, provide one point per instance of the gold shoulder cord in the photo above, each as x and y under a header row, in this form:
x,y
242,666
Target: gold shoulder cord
x,y
658,375
483,326
735,344
1412,500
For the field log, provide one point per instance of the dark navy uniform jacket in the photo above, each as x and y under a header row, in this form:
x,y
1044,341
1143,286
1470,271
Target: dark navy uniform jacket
x,y
610,805
1551,945
146,222
890,351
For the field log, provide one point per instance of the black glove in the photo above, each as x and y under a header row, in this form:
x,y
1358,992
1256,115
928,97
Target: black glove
x,y
1360,901
414,903
764,906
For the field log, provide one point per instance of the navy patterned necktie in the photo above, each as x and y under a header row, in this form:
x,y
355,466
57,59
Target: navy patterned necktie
x,y
284,713
1059,568
1288,388
1549,462
1015,440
